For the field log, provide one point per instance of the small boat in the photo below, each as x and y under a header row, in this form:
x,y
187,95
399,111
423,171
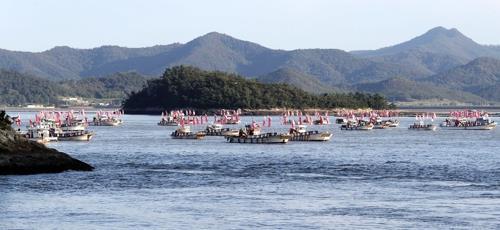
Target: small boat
x,y
104,120
321,121
266,138
229,120
357,125
75,136
300,134
480,123
393,123
185,133
381,125
217,130
421,126
170,121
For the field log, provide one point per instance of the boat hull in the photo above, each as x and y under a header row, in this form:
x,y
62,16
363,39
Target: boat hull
x,y
84,137
481,127
260,139
323,136
430,128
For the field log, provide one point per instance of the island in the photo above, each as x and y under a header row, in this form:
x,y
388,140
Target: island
x,y
190,87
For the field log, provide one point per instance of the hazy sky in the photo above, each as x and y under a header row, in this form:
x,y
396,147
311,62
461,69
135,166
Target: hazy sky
x,y
34,25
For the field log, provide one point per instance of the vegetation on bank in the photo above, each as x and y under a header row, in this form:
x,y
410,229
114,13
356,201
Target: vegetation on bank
x,y
190,87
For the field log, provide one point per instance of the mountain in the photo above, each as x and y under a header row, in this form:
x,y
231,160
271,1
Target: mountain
x,y
419,60
437,50
295,78
480,76
213,51
62,63
402,89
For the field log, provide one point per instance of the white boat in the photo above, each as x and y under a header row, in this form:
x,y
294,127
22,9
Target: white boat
x,y
76,125
168,121
39,134
301,134
480,123
185,133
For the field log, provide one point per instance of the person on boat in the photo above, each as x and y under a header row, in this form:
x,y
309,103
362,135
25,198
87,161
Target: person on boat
x,y
242,133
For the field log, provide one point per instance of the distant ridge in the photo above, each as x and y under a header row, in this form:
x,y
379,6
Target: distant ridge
x,y
315,70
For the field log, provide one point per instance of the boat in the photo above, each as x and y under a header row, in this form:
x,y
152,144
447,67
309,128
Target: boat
x,y
381,125
253,129
357,125
216,130
231,133
393,123
75,135
169,121
266,138
185,133
421,126
229,120
480,123
323,120
104,120
39,134
75,125
301,134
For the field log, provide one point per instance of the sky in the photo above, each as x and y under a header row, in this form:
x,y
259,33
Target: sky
x,y
34,25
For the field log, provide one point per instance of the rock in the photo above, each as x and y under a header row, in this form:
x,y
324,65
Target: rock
x,y
18,156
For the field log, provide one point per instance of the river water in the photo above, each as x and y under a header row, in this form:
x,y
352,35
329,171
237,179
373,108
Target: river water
x,y
393,178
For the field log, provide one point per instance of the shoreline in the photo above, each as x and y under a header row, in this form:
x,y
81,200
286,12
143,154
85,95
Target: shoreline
x,y
403,111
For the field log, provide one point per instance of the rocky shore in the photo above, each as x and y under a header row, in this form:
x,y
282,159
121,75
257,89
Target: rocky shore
x,y
19,156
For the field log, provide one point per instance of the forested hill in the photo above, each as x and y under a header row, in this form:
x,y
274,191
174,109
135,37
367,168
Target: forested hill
x,y
18,89
190,87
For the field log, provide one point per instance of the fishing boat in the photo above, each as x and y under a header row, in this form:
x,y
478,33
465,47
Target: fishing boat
x,y
74,125
39,135
266,138
421,126
480,123
168,121
379,124
216,130
301,134
104,120
393,123
82,135
357,125
185,133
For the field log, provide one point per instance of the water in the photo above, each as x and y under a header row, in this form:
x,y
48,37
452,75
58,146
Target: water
x,y
377,179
